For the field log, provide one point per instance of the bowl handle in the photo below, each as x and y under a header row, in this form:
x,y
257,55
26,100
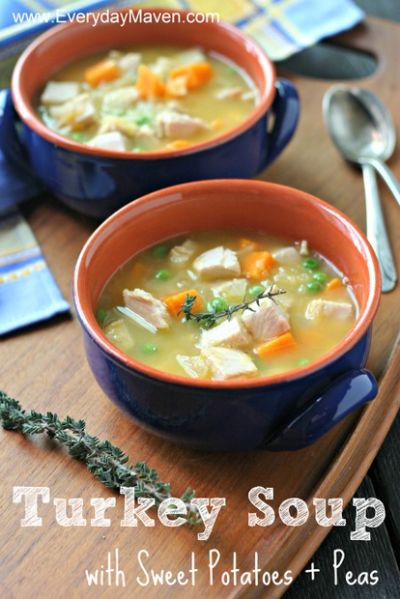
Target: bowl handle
x,y
13,149
285,108
353,389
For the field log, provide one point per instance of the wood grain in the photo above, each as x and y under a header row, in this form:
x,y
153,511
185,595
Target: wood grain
x,y
45,368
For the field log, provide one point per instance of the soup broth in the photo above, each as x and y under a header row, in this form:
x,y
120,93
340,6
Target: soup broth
x,y
255,305
147,98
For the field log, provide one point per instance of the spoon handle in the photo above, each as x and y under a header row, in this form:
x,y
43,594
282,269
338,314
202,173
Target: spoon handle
x,y
387,175
376,230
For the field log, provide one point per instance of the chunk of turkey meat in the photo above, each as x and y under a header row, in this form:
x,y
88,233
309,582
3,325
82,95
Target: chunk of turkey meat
x,y
226,363
318,308
180,254
265,320
217,263
149,307
59,92
176,125
112,140
77,113
230,333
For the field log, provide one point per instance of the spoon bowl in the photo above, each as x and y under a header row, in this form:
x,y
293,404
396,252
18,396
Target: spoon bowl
x,y
362,129
359,124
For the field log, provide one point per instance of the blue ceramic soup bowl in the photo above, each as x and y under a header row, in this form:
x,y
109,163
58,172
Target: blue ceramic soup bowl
x,y
98,181
282,411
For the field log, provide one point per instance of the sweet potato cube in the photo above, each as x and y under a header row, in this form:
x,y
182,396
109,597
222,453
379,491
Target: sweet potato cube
x,y
175,302
148,84
197,74
106,70
257,264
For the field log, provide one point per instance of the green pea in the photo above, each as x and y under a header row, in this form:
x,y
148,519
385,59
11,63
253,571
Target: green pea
x,y
256,290
218,304
162,275
303,362
143,120
101,315
149,348
78,136
321,277
160,251
310,263
314,286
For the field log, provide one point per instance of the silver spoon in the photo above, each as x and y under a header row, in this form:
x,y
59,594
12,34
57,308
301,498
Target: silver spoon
x,y
363,130
364,133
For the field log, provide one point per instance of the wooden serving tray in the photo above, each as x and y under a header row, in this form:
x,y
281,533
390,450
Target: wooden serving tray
x,y
45,369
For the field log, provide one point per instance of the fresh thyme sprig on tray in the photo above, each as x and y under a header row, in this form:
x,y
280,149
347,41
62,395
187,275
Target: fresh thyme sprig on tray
x,y
105,461
209,319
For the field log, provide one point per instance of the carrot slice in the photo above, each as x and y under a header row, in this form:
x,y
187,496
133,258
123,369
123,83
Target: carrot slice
x,y
256,264
175,302
106,70
281,343
178,144
334,284
197,74
148,84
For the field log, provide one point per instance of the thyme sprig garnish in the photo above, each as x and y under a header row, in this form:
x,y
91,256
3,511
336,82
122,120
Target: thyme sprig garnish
x,y
107,463
209,319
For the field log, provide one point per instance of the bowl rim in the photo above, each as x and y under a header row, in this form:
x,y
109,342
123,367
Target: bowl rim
x,y
358,330
28,114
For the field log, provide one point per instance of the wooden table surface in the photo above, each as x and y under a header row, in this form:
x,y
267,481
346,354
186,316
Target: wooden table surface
x,y
330,62
62,377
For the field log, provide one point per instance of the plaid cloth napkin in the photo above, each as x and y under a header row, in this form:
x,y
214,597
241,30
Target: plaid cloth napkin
x,y
28,291
281,27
